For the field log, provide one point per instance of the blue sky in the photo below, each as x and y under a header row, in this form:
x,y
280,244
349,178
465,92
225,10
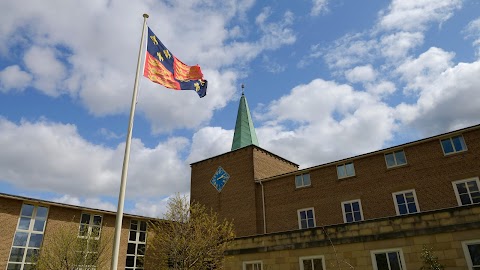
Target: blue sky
x,y
324,80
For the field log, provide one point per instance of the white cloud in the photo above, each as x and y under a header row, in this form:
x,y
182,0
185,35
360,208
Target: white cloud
x,y
472,31
383,88
92,54
448,98
415,15
319,6
424,70
95,203
275,34
148,208
210,141
155,207
167,109
61,161
47,70
331,121
349,50
361,74
399,30
397,45
13,78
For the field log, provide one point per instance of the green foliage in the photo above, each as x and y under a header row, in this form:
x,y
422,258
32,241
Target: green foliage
x,y
66,250
190,237
430,261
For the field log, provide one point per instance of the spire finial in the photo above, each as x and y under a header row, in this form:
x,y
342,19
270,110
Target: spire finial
x,y
243,88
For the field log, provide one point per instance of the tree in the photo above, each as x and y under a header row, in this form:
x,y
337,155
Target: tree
x,y
430,261
66,250
190,237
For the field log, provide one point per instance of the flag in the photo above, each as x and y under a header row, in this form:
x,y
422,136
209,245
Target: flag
x,y
162,67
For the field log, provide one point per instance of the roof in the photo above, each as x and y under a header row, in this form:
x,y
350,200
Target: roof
x,y
435,137
64,205
253,146
244,130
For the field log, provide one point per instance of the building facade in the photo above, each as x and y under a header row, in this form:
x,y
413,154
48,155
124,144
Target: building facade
x,y
373,211
26,224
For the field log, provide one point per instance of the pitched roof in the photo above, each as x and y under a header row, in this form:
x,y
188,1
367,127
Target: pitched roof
x,y
244,130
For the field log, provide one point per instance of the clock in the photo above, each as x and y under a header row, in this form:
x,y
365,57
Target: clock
x,y
219,179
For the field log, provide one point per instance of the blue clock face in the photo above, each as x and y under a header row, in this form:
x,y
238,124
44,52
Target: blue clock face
x,y
219,179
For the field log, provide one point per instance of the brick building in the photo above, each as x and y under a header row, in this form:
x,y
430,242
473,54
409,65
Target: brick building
x,y
372,211
26,224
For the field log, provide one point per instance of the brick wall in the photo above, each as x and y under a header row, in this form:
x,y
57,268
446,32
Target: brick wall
x,y
240,198
428,171
237,199
9,212
267,164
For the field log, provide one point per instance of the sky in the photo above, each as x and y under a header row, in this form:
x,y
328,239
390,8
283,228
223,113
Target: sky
x,y
325,80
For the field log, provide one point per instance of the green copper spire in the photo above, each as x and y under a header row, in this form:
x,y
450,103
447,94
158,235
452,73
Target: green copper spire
x,y
244,130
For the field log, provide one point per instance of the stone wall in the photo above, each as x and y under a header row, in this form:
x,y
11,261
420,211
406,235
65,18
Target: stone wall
x,y
443,230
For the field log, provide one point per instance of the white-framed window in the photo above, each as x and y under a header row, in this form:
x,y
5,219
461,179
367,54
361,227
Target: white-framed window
x,y
89,231
352,211
90,225
472,253
137,240
406,202
253,265
312,262
395,158
345,170
302,180
28,236
453,145
388,259
467,191
306,218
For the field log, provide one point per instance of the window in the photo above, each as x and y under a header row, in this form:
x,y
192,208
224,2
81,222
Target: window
x,y
306,218
302,180
90,225
467,191
312,263
405,202
453,145
136,245
391,259
345,170
472,254
89,235
28,236
352,211
253,265
396,158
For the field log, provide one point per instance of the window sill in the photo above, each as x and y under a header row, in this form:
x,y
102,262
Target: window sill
x,y
304,187
454,153
346,177
398,167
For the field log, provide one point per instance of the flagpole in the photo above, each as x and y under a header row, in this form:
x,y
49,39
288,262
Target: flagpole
x,y
126,158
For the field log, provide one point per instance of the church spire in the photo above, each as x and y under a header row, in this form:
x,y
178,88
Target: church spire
x,y
244,130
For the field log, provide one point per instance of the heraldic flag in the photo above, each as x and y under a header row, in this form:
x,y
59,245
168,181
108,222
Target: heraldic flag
x,y
162,67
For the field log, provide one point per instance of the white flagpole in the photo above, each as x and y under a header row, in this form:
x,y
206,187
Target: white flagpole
x,y
126,158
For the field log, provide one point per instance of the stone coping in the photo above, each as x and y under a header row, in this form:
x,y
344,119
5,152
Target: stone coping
x,y
423,223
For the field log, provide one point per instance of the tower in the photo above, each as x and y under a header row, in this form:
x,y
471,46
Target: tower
x,y
227,182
